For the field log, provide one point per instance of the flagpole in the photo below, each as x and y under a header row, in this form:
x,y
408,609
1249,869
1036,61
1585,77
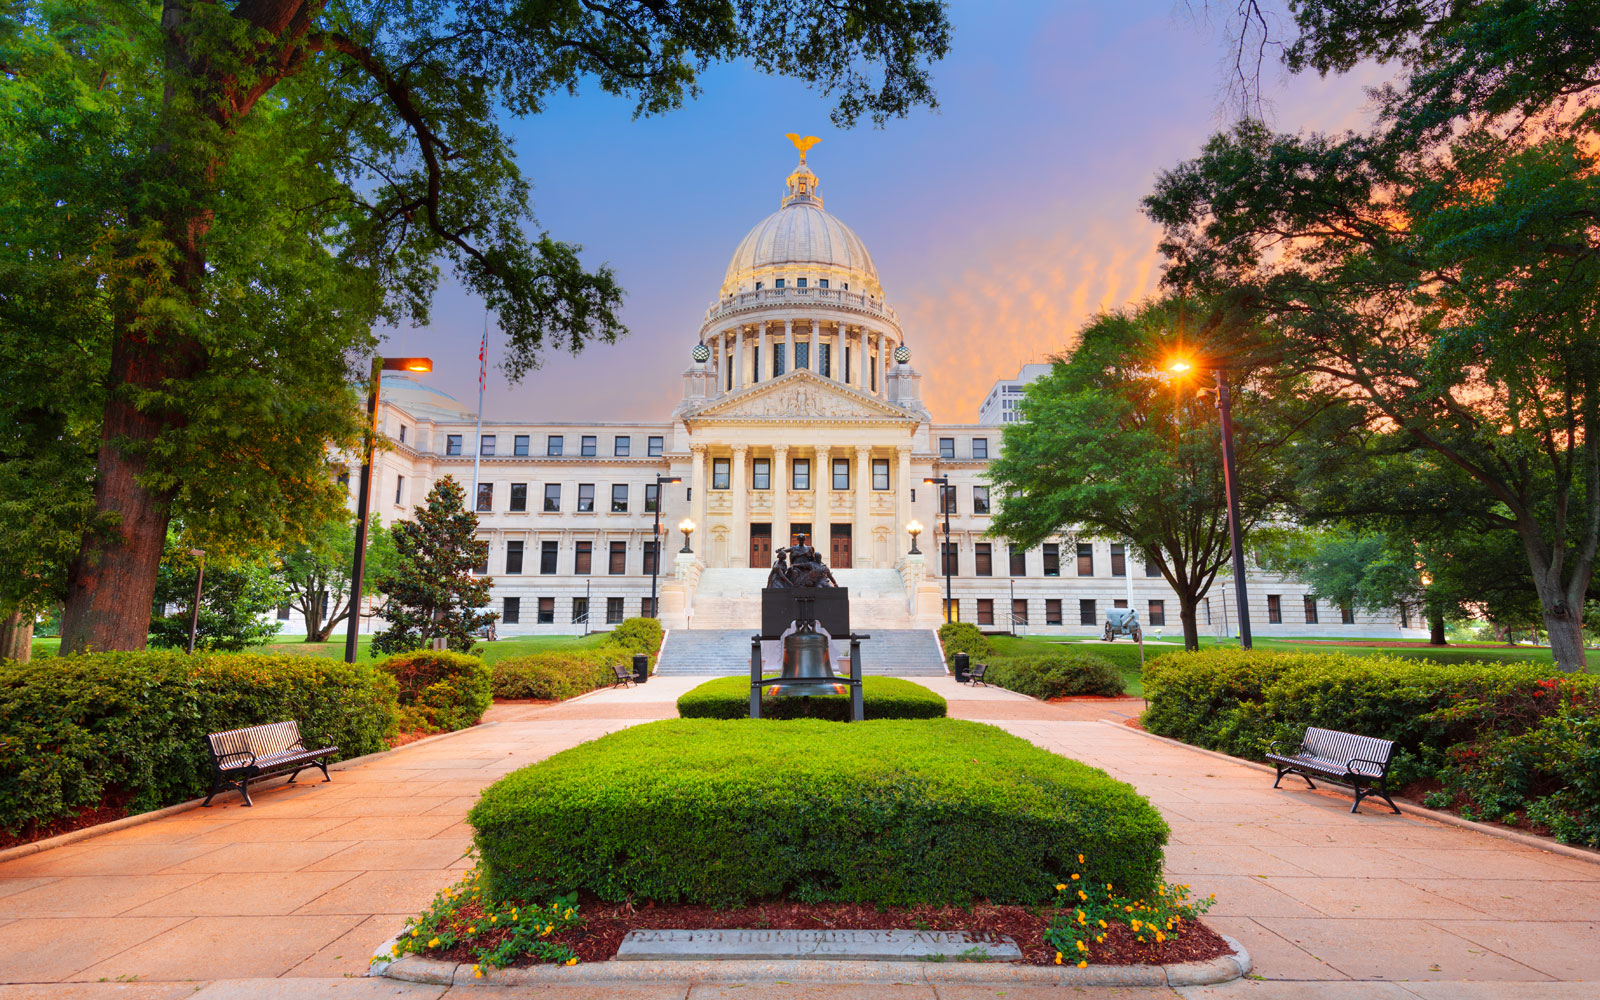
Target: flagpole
x,y
483,373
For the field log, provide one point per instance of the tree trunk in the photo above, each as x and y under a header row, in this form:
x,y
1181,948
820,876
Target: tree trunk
x,y
1566,640
16,637
1436,627
1191,625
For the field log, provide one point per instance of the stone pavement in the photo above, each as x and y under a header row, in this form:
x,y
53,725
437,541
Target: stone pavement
x,y
288,899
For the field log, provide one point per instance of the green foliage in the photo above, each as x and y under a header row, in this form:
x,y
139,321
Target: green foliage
x,y
890,812
439,691
496,933
964,637
1058,675
75,728
560,674
236,603
882,698
637,635
433,590
1085,909
316,570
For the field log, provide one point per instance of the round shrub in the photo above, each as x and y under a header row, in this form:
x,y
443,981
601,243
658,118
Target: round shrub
x,y
637,635
891,812
882,698
964,637
1057,675
440,691
555,676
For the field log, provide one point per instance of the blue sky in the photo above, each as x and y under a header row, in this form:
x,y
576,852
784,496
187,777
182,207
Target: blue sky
x,y
999,222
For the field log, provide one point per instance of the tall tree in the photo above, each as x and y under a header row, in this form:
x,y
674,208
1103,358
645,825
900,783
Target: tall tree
x,y
316,572
1441,272
222,198
433,592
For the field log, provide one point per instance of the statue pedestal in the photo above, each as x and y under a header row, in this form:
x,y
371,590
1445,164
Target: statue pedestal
x,y
830,606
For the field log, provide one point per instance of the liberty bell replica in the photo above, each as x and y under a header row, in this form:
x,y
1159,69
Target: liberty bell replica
x,y
807,661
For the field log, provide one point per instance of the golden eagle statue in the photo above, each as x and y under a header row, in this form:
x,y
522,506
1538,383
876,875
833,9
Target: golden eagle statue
x,y
802,143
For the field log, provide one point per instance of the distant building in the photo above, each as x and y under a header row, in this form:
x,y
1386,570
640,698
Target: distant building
x,y
1002,405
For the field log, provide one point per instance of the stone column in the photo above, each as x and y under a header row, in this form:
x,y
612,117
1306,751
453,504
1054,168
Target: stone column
x,y
788,342
741,364
764,339
739,536
861,534
821,489
902,497
811,345
780,496
697,506
859,368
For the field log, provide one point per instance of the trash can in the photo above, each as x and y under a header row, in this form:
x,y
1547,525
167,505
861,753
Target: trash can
x,y
958,663
641,668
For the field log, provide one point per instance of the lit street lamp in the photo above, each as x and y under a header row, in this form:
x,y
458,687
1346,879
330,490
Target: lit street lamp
x,y
655,539
364,494
914,528
943,482
687,527
194,609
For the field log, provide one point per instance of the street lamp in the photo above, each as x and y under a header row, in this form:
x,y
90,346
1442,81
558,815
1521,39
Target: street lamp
x,y
1230,482
194,609
364,494
914,528
655,539
687,527
943,482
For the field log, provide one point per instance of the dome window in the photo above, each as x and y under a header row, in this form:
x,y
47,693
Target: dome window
x,y
823,283
800,283
778,283
758,286
847,286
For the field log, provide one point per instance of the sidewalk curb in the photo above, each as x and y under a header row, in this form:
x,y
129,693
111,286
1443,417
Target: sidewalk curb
x,y
101,829
1449,819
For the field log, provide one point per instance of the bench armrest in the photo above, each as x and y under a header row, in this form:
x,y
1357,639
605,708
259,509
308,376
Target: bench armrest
x,y
243,753
1273,748
1380,765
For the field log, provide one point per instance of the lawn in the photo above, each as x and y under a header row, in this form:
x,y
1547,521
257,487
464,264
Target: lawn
x,y
493,652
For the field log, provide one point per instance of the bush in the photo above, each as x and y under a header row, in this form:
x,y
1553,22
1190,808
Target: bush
x,y
1058,675
964,637
440,691
890,812
563,674
882,697
74,729
637,635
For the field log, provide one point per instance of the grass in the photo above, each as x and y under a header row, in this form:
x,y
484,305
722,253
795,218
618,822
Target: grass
x,y
493,652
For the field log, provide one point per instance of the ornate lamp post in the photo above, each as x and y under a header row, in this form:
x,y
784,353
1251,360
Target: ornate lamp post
x,y
687,527
943,482
655,539
914,528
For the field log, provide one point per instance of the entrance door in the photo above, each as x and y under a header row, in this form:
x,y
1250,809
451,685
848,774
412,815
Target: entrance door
x,y
760,546
839,546
796,530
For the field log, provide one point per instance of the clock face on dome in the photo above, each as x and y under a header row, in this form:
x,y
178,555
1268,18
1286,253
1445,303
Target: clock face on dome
x,y
902,354
702,353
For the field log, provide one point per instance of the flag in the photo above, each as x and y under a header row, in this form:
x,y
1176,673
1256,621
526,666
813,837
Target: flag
x,y
483,360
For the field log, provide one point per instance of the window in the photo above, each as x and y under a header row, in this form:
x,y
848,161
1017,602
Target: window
x,y
761,474
1274,609
1158,614
650,557
519,497
399,490
802,355
619,558
1052,559
613,611
621,446
580,611
1086,615
402,433
619,498
511,611
777,360
652,497
1119,603
547,557
553,446
779,283
647,607
1052,611
513,558
948,494
952,610
583,557
980,447
841,473
452,444
980,499
984,559
486,496
547,611
947,447
1019,610
482,566
586,498
825,360
588,445
802,474
719,473
1119,559
519,446
985,611
952,559
283,612
755,364
1086,559
654,445
486,445
1347,616
1019,561
552,497
880,473
800,283
1311,610
1151,567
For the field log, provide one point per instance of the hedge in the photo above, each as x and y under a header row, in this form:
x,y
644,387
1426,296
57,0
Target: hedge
x,y
1055,675
74,729
964,637
891,812
563,674
439,691
882,697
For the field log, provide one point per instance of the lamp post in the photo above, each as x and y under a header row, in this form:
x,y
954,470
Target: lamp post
x,y
914,528
1230,482
687,527
655,539
364,494
943,482
194,609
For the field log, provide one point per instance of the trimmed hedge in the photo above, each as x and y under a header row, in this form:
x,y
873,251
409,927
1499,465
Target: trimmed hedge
x,y
563,674
964,637
1057,675
75,728
882,698
889,812
439,691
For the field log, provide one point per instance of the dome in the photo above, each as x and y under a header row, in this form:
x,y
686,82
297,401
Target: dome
x,y
421,400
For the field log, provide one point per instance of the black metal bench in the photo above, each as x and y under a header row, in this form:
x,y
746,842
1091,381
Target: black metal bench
x,y
624,676
240,755
975,675
1362,762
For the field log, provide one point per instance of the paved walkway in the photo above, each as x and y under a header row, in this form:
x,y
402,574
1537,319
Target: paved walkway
x,y
289,898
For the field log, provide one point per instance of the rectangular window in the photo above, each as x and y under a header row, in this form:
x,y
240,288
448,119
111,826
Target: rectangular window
x,y
588,446
619,498
621,446
402,433
1274,609
511,611
586,498
547,557
777,360
1311,610
1119,559
553,446
519,446
825,360
800,283
452,444
1019,561
984,559
1086,615
802,474
980,499
802,355
652,497
1052,559
583,558
580,611
755,364
1019,610
1151,568
613,611
552,498
486,445
619,558
948,493
399,490
952,610
1347,616
1086,559
654,445
947,447
1052,611
1158,614
647,607
485,497
547,611
719,473
283,612
513,558
761,474
650,557
780,283
841,473
519,497
822,282
985,611
880,473
980,447
952,559
1119,603
1208,611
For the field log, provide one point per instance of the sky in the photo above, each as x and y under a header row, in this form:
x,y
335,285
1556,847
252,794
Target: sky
x,y
1000,222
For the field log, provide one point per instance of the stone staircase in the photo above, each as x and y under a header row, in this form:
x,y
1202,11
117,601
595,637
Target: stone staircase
x,y
722,652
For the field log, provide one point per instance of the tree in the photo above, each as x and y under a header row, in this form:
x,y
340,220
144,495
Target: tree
x,y
1111,447
1442,272
316,572
236,603
433,592
205,207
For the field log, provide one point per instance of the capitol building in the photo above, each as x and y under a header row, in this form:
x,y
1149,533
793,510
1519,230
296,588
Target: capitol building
x,y
801,413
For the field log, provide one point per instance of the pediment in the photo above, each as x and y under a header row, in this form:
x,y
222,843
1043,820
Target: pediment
x,y
801,395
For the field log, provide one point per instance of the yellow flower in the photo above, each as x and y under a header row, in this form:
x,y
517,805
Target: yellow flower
x,y
1080,859
477,973
573,960
472,930
1160,937
1061,887
1082,946
1135,924
434,943
1127,909
1083,964
1141,939
1161,891
494,920
1102,923
1058,958
1083,895
1099,938
414,933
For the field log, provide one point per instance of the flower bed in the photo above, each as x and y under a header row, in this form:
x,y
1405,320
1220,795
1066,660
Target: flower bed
x,y
882,698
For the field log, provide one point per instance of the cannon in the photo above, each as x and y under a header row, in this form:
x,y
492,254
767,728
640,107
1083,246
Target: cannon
x,y
1122,621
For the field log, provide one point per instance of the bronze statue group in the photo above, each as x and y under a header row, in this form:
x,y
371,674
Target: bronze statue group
x,y
798,566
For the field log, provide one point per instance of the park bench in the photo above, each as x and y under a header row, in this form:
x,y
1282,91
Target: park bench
x,y
1362,762
624,676
975,675
239,755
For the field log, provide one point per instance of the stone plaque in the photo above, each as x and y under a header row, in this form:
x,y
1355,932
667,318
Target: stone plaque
x,y
657,945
